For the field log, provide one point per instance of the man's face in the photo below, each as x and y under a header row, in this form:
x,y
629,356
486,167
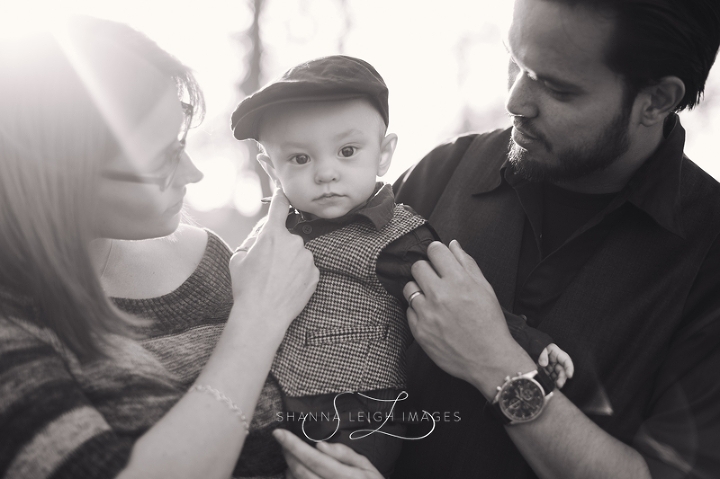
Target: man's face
x,y
570,114
327,155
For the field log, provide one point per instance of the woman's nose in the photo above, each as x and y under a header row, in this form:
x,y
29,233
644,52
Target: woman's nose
x,y
187,171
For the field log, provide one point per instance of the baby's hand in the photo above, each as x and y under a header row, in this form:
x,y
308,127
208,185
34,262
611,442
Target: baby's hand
x,y
557,364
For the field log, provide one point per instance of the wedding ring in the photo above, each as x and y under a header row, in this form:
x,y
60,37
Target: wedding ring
x,y
241,249
413,296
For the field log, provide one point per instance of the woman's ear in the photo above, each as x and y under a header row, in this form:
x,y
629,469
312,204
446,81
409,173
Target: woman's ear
x,y
660,99
387,148
267,165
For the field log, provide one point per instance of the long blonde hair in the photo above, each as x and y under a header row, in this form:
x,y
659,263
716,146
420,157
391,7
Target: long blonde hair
x,y
53,141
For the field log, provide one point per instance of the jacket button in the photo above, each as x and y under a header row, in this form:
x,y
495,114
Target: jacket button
x,y
307,229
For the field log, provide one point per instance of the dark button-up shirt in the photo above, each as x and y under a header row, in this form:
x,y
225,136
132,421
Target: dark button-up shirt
x,y
632,295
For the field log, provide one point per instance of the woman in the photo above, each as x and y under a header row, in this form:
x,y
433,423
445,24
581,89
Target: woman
x,y
92,138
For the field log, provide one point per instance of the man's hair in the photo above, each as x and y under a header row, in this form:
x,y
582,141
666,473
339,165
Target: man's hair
x,y
54,141
658,38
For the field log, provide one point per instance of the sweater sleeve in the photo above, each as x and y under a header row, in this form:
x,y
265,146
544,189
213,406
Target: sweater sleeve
x,y
48,428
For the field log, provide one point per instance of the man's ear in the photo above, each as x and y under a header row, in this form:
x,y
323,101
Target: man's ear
x,y
387,148
659,100
267,165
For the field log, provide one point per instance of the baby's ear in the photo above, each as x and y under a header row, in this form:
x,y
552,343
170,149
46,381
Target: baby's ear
x,y
267,165
387,148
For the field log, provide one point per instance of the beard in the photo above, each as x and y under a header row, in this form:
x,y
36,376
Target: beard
x,y
576,162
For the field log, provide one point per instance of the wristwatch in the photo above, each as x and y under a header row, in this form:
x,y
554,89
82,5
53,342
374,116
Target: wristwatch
x,y
522,398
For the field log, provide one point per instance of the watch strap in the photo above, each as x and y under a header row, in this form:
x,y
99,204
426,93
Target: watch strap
x,y
547,383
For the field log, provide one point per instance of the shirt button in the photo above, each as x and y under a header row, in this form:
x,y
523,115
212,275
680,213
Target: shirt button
x,y
307,229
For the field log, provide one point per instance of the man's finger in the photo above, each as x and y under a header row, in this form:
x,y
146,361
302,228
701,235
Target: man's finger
x,y
465,260
442,259
425,276
277,214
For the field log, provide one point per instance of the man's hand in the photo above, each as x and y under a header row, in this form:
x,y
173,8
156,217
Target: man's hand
x,y
459,322
328,461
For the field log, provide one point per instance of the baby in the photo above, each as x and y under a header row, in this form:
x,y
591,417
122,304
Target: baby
x,y
322,128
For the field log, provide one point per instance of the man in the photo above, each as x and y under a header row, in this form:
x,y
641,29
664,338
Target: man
x,y
586,218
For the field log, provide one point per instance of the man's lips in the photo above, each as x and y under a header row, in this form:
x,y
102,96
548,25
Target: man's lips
x,y
524,132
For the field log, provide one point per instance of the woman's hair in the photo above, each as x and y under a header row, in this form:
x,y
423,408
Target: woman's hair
x,y
53,141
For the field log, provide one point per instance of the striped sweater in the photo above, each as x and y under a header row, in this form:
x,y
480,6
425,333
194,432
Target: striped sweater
x,y
60,419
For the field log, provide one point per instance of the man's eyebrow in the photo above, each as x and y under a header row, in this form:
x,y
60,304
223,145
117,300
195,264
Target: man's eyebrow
x,y
553,80
557,82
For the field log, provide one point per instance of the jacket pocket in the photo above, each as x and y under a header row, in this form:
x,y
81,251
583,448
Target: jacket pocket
x,y
353,334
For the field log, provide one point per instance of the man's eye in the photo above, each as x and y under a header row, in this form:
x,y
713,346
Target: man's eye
x,y
300,159
348,151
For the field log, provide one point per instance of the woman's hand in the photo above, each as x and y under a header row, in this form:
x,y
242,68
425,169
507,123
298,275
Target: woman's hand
x,y
273,274
328,461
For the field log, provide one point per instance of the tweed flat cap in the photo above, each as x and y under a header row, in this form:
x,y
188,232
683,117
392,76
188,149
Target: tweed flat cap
x,y
336,77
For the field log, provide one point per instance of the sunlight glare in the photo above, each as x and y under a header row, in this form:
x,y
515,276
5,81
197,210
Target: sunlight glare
x,y
217,187
248,193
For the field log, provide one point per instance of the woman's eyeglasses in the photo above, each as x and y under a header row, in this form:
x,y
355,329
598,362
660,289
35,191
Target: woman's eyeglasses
x,y
172,162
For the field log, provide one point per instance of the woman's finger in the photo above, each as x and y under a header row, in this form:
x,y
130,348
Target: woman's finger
x,y
345,455
277,214
311,459
296,469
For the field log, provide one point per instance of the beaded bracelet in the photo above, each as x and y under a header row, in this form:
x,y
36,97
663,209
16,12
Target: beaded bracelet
x,y
223,399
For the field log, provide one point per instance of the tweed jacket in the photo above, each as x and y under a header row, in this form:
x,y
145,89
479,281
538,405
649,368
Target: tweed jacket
x,y
352,334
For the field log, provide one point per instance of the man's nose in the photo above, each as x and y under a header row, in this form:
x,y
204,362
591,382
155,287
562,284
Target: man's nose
x,y
521,99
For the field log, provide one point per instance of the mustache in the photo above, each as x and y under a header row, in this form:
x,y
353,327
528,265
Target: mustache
x,y
525,125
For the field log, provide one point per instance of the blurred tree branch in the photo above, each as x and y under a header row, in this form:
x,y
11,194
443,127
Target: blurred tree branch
x,y
251,82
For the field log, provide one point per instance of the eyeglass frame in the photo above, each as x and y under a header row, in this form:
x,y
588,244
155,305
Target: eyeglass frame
x,y
165,181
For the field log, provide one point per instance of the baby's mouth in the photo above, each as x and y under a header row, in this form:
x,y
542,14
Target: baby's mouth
x,y
325,196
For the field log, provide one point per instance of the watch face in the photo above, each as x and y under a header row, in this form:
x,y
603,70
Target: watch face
x,y
521,400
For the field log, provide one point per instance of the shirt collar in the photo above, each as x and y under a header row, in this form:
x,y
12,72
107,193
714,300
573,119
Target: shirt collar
x,y
653,188
379,210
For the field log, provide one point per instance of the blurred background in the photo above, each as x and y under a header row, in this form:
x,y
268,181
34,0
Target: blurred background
x,y
443,62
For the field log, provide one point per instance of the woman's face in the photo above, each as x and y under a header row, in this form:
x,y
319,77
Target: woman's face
x,y
141,190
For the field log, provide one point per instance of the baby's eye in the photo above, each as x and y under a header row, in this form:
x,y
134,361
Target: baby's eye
x,y
348,151
300,159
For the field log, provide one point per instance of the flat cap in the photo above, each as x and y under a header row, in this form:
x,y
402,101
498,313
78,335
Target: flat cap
x,y
336,77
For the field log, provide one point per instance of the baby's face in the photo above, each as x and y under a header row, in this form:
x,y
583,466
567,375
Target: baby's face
x,y
327,155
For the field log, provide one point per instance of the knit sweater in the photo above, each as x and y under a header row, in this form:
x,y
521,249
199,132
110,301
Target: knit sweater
x,y
61,419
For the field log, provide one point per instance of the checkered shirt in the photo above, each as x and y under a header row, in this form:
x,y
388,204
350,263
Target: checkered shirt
x,y
352,334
